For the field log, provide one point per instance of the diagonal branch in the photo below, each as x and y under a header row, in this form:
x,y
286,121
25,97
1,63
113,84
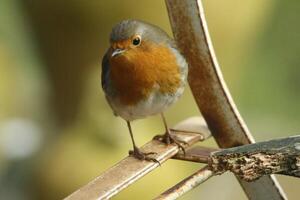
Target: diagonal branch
x,y
187,184
129,170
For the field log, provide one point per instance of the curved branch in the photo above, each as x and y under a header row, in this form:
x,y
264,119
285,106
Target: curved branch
x,y
209,88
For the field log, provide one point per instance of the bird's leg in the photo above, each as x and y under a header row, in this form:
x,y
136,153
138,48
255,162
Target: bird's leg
x,y
136,152
167,137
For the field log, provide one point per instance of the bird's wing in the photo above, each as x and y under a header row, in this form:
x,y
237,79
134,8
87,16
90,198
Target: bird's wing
x,y
104,79
105,71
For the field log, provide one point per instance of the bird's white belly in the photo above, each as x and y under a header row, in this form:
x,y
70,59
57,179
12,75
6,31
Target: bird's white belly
x,y
154,104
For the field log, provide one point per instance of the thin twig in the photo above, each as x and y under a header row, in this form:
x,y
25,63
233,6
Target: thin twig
x,y
195,154
187,184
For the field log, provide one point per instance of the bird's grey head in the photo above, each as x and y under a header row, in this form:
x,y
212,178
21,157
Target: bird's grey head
x,y
128,28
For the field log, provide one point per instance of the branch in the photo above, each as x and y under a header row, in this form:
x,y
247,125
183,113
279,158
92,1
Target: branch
x,y
187,184
210,91
195,154
251,162
129,170
248,162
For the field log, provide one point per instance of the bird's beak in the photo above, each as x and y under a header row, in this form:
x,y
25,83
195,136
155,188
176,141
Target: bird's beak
x,y
117,52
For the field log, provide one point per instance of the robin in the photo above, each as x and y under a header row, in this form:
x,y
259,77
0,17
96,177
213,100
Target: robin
x,y
143,73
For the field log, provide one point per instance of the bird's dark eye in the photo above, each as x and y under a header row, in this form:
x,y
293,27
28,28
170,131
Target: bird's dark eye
x,y
136,40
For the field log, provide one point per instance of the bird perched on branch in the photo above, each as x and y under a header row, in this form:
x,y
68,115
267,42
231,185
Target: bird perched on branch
x,y
143,73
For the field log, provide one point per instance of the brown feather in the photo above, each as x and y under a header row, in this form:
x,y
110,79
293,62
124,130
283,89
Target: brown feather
x,y
136,71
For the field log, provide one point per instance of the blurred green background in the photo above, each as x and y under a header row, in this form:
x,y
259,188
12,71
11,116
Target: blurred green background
x,y
56,130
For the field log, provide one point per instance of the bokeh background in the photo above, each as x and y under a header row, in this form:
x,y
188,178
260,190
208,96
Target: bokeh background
x,y
56,130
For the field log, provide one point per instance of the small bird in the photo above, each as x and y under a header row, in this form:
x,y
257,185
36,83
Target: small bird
x,y
143,73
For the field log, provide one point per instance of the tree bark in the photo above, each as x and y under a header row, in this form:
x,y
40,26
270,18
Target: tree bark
x,y
251,162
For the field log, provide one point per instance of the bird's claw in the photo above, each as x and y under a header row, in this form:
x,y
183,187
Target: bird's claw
x,y
138,154
169,139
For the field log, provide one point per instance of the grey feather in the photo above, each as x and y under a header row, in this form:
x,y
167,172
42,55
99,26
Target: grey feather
x,y
128,28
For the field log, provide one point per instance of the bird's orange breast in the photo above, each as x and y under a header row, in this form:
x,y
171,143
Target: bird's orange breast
x,y
135,74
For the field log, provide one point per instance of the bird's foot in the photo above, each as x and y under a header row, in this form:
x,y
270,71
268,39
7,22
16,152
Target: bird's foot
x,y
183,131
167,138
138,154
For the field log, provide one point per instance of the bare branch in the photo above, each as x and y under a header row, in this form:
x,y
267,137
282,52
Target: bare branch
x,y
130,169
187,184
250,162
195,154
209,88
